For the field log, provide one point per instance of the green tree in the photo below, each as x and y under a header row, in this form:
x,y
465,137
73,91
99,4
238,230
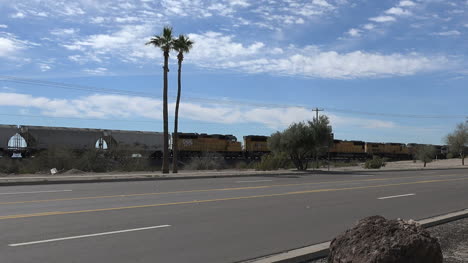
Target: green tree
x,y
457,141
425,153
302,141
182,45
322,136
166,43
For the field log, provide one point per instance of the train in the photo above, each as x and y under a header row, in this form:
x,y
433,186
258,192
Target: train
x,y
24,141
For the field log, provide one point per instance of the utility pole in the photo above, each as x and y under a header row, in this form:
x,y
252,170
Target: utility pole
x,y
317,112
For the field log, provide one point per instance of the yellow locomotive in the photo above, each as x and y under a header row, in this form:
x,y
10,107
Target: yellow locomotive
x,y
255,146
194,144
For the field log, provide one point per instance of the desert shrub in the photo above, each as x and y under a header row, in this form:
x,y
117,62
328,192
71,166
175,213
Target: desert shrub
x,y
375,163
242,165
9,166
273,162
207,161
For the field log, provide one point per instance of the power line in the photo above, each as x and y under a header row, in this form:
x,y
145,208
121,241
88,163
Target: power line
x,y
217,101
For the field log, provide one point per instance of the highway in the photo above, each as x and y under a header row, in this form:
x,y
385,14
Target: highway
x,y
210,220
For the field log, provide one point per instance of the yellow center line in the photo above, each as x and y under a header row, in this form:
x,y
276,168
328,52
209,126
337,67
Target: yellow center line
x,y
208,190
224,199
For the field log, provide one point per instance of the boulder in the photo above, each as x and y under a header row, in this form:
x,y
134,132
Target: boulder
x,y
378,240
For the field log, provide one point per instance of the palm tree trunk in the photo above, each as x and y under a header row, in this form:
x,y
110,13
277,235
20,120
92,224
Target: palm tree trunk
x,y
175,136
165,164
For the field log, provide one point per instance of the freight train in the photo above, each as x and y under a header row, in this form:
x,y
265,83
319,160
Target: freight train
x,y
28,140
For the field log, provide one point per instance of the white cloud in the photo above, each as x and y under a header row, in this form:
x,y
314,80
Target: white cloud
x,y
10,45
406,3
354,32
398,11
44,67
97,71
127,43
214,45
382,19
369,26
120,106
448,33
3,26
215,50
98,20
18,15
64,31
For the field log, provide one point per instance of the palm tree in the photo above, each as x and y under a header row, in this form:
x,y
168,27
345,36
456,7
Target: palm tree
x,y
166,43
182,45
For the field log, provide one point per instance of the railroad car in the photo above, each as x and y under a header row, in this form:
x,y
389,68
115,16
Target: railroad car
x,y
194,144
348,149
397,151
374,148
6,133
255,146
41,138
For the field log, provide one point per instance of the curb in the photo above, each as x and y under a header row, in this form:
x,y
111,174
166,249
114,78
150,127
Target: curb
x,y
318,251
407,170
142,177
40,181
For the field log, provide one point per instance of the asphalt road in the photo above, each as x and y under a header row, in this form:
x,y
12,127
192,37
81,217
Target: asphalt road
x,y
210,220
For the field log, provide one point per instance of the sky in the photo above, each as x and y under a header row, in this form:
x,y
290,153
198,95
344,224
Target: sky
x,y
382,71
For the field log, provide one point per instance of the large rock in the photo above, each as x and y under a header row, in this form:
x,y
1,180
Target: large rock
x,y
378,240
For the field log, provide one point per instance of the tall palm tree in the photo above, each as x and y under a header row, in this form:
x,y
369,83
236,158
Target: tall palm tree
x,y
166,43
182,45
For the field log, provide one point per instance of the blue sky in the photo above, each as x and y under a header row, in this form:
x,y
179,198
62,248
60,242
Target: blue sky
x,y
387,71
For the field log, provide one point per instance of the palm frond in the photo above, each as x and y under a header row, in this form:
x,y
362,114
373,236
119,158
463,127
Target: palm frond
x,y
163,41
183,44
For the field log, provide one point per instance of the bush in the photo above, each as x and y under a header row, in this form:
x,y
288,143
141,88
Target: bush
x,y
375,163
273,162
208,161
88,161
242,165
9,166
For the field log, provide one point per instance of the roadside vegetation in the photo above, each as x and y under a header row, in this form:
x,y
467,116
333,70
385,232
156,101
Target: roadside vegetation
x,y
207,161
303,141
457,141
124,160
375,163
425,153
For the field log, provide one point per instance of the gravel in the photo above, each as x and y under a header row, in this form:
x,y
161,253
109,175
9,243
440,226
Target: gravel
x,y
453,239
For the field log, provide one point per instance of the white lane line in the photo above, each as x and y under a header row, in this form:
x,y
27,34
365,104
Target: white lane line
x,y
84,236
37,192
394,196
363,175
256,181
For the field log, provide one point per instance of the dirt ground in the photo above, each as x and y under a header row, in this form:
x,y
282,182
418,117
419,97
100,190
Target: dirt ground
x,y
449,163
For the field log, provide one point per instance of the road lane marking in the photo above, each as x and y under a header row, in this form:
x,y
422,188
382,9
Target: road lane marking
x,y
254,181
187,191
212,190
85,236
224,199
394,196
36,192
